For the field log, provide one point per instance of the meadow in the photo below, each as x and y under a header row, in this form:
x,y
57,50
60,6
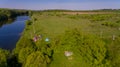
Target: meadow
x,y
68,39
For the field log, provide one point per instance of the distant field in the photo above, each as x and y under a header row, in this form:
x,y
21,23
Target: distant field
x,y
88,12
52,24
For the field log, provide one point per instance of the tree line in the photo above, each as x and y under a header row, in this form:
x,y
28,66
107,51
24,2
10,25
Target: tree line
x,y
7,14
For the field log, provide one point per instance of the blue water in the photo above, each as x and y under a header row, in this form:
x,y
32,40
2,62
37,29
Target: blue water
x,y
10,33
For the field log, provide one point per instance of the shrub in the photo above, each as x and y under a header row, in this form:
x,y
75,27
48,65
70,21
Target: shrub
x,y
28,22
110,24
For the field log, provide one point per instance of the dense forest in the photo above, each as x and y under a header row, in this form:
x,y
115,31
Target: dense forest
x,y
58,39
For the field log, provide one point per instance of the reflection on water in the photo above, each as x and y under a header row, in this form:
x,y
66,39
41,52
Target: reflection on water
x,y
6,22
10,32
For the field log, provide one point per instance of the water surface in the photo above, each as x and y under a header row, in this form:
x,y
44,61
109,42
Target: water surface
x,y
10,33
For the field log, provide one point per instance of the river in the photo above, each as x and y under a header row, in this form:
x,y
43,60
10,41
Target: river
x,y
10,33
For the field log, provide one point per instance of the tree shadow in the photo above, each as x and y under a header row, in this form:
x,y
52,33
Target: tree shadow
x,y
13,62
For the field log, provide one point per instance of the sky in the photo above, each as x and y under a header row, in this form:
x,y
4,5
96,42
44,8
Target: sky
x,y
60,4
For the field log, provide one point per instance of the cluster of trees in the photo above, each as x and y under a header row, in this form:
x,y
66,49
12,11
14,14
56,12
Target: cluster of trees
x,y
6,14
88,51
30,53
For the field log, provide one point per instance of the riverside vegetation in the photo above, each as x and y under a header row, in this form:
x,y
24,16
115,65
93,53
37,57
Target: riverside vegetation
x,y
8,15
92,39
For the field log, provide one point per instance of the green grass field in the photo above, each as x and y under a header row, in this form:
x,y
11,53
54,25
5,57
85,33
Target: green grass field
x,y
51,25
100,34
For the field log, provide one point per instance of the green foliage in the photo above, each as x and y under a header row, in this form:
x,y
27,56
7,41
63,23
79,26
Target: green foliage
x,y
110,24
83,40
24,43
6,14
118,21
90,49
30,13
24,53
73,17
36,59
3,57
99,17
114,52
28,22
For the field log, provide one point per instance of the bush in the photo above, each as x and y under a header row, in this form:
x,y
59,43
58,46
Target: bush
x,y
118,21
28,22
110,24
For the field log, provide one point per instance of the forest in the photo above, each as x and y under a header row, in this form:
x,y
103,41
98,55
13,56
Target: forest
x,y
55,38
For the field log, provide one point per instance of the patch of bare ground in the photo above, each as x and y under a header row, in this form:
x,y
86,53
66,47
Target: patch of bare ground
x,y
73,13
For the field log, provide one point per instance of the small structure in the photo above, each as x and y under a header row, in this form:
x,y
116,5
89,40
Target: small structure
x,y
47,39
68,53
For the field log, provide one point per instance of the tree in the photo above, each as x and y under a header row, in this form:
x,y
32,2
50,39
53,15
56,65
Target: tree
x,y
24,53
3,57
23,43
36,59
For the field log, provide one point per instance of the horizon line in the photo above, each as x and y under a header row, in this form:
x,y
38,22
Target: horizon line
x,y
62,9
